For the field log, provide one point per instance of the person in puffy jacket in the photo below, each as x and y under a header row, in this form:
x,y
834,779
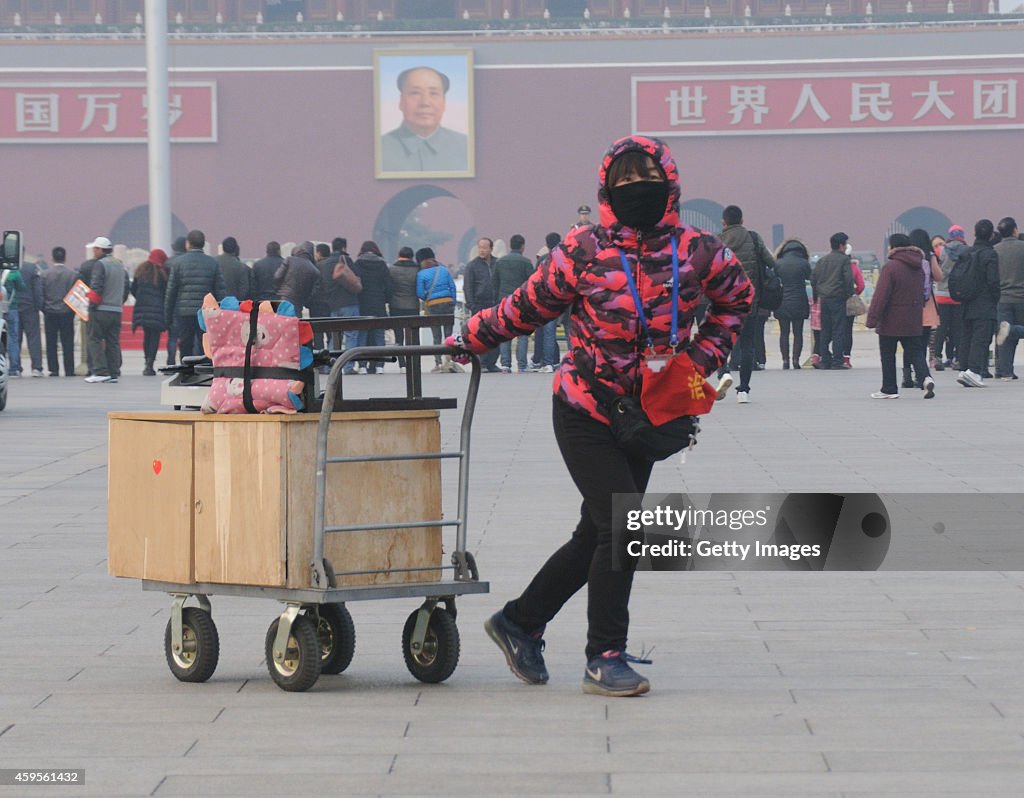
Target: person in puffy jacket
x,y
193,275
149,287
372,271
793,266
298,279
895,314
436,288
980,311
638,196
951,314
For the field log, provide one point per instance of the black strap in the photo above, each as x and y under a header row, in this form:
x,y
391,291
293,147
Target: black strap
x,y
247,371
264,373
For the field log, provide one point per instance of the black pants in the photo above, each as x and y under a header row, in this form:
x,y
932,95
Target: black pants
x,y
150,344
60,326
172,342
977,336
920,367
744,352
760,356
949,332
833,332
599,469
31,335
797,328
848,342
887,351
400,332
189,335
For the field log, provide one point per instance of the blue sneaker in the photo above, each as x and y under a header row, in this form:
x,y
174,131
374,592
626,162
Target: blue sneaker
x,y
522,651
609,674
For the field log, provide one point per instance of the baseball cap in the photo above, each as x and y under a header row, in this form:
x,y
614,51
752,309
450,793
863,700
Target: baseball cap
x,y
583,209
102,242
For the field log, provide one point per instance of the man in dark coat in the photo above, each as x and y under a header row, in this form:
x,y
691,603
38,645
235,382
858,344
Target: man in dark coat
x,y
510,272
832,284
194,275
263,272
980,312
238,279
297,278
58,317
478,291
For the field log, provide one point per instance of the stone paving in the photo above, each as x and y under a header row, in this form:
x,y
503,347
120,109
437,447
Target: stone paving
x,y
764,684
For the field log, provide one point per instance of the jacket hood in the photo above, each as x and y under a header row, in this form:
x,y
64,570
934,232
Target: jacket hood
x,y
910,257
662,156
304,250
793,245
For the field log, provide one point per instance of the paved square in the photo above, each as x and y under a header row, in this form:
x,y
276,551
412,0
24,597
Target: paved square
x,y
774,684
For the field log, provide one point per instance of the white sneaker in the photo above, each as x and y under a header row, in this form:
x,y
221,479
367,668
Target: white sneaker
x,y
1004,332
37,373
743,397
723,386
970,380
929,388
97,378
546,369
880,395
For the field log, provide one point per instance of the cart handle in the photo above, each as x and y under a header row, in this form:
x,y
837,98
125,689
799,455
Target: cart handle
x,y
320,578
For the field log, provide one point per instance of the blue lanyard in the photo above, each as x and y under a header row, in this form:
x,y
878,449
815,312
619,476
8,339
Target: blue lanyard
x,y
674,339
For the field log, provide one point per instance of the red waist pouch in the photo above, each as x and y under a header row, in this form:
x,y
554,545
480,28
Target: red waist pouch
x,y
676,389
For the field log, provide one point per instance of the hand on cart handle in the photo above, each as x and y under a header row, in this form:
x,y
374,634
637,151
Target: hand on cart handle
x,y
461,354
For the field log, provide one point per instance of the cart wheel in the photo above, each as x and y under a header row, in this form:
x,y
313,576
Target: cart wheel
x,y
440,654
337,638
301,665
201,646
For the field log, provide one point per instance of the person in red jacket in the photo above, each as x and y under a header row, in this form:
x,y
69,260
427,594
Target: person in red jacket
x,y
895,314
638,196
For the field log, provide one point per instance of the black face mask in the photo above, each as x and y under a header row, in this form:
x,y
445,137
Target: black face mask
x,y
639,205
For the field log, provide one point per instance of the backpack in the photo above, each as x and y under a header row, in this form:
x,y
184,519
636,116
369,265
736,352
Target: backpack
x,y
963,282
769,290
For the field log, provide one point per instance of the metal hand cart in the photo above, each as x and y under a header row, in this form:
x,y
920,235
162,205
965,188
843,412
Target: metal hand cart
x,y
315,633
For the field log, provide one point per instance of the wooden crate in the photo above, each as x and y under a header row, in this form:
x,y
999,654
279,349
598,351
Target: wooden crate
x,y
232,501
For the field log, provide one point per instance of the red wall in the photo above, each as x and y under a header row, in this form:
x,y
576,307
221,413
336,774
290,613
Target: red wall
x,y
295,161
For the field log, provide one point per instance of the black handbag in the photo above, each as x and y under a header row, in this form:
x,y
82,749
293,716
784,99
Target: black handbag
x,y
632,429
638,437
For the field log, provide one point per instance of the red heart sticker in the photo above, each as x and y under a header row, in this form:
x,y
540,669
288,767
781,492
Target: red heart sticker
x,y
157,467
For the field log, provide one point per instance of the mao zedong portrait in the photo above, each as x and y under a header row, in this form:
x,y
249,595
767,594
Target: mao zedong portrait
x,y
421,143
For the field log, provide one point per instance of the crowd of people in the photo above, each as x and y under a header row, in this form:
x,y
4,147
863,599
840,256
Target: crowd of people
x,y
935,331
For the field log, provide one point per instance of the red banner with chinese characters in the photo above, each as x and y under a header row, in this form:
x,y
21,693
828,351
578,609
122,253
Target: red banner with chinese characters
x,y
891,101
102,113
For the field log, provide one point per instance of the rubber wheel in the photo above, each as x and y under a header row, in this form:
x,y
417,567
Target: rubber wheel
x,y
301,666
198,660
337,636
440,655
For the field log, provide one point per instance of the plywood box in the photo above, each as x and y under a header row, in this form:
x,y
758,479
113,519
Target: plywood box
x,y
230,499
